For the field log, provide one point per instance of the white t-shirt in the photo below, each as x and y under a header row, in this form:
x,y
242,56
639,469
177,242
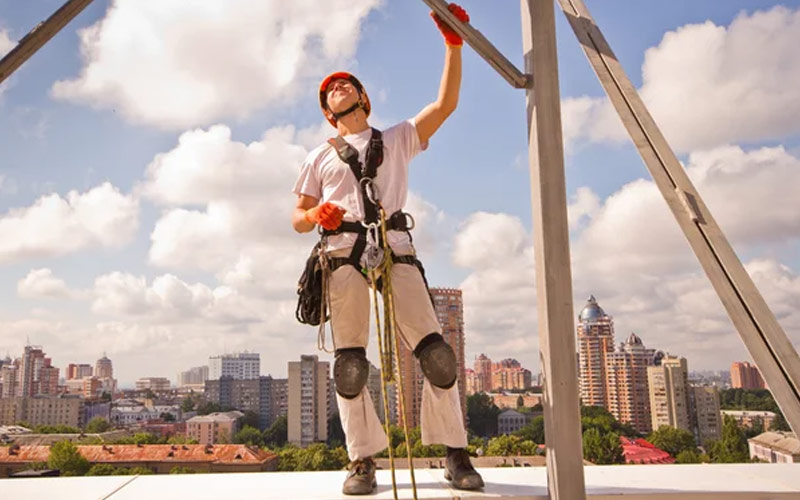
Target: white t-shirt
x,y
326,177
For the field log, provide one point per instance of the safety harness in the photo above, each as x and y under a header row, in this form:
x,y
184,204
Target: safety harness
x,y
372,244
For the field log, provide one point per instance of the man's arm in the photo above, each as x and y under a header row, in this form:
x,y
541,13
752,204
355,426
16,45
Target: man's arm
x,y
299,221
434,114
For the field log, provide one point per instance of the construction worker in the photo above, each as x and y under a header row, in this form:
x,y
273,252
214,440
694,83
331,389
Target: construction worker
x,y
329,194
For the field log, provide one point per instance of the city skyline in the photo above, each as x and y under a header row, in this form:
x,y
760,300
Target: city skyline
x,y
168,237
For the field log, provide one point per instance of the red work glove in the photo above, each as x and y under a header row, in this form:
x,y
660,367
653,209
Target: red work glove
x,y
451,37
327,215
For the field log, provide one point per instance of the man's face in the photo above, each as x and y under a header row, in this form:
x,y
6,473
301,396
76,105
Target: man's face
x,y
341,94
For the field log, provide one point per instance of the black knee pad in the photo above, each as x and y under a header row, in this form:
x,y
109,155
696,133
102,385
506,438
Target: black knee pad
x,y
350,371
437,360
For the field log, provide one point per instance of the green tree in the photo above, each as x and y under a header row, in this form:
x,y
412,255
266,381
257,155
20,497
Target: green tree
x,y
755,429
732,446
65,457
533,430
180,439
182,470
779,423
106,470
336,435
252,419
208,407
313,458
672,440
691,457
520,402
277,434
97,425
482,414
596,417
601,448
188,403
139,471
167,417
249,435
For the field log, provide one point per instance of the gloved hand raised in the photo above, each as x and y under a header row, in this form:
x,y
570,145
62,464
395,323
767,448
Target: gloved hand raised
x,y
451,37
327,215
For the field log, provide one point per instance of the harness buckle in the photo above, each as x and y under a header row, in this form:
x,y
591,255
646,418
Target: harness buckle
x,y
410,222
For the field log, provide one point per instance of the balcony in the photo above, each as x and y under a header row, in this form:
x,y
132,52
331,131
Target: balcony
x,y
644,482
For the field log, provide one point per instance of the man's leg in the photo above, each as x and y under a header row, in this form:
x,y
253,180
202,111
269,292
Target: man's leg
x,y
350,326
441,417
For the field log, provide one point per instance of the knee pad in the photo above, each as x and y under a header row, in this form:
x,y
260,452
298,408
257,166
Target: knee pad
x,y
350,371
437,360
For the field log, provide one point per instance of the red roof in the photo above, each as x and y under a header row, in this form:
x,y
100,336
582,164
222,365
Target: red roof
x,y
129,453
640,451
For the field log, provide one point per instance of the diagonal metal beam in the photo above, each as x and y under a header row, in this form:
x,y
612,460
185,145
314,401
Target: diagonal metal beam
x,y
482,46
768,344
39,35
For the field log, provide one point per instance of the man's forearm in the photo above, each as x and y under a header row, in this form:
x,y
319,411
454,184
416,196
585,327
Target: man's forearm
x,y
450,84
300,223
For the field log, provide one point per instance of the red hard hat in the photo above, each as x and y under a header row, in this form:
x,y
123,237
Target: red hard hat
x,y
341,75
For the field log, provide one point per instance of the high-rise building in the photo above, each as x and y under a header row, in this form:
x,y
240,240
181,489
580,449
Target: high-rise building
x,y
239,366
254,395
47,383
450,313
483,372
707,418
595,342
746,376
279,398
473,380
78,371
375,388
32,361
153,384
193,376
509,375
626,383
9,377
103,368
669,393
308,394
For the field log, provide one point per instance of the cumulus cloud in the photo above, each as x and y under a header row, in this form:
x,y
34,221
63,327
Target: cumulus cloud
x,y
631,255
42,283
582,206
168,299
53,226
227,207
176,64
709,85
499,293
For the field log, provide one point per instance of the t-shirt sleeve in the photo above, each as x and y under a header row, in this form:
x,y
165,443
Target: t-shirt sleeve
x,y
409,139
308,182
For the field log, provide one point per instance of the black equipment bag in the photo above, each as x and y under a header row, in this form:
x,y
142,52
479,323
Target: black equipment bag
x,y
309,290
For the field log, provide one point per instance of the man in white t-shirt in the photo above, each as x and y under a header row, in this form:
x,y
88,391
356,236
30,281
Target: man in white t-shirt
x,y
330,195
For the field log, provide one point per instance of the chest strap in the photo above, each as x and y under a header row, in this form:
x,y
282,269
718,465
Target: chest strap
x,y
365,175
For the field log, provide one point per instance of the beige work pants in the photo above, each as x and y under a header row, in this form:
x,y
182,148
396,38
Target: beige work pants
x,y
441,418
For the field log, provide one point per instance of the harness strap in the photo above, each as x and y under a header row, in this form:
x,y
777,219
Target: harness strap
x,y
365,175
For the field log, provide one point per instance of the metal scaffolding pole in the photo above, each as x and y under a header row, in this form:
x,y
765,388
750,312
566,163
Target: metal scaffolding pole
x,y
40,35
768,344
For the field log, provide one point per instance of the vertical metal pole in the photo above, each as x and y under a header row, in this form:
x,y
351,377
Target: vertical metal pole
x,y
551,240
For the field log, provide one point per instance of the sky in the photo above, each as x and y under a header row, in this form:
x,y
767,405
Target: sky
x,y
148,152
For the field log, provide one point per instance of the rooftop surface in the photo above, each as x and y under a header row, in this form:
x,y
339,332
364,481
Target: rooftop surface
x,y
651,482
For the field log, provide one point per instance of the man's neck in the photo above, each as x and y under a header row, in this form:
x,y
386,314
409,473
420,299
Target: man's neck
x,y
352,123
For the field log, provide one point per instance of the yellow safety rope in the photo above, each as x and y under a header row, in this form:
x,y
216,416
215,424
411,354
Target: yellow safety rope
x,y
389,351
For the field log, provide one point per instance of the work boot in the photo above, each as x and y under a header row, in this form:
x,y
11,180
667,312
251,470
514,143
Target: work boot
x,y
459,470
360,477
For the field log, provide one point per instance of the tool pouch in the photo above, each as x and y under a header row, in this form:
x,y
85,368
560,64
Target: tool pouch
x,y
309,290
